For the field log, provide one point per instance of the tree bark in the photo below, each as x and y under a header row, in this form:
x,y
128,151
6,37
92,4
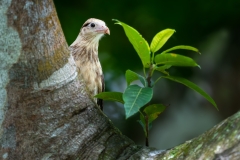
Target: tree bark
x,y
45,112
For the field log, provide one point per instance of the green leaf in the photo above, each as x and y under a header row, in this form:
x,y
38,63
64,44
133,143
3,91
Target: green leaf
x,y
142,119
153,111
139,43
132,76
182,47
143,126
136,97
142,123
111,96
163,68
160,39
175,60
193,86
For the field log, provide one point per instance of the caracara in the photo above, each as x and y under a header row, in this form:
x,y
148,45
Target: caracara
x,y
85,52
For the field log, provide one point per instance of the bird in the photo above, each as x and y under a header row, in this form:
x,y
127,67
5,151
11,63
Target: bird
x,y
85,53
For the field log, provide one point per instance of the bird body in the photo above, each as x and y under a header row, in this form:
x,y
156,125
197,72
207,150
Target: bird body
x,y
85,52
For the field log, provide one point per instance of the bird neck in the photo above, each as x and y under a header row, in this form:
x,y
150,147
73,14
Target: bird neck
x,y
87,43
85,49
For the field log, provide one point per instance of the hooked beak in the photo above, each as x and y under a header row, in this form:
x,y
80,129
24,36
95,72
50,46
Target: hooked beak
x,y
107,31
104,30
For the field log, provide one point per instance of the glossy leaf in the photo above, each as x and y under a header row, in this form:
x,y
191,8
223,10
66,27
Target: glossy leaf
x,y
160,39
193,86
136,97
143,126
139,43
142,119
142,123
111,96
175,60
132,76
182,47
163,68
153,111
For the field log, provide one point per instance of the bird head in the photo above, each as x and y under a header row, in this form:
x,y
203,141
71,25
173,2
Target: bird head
x,y
94,29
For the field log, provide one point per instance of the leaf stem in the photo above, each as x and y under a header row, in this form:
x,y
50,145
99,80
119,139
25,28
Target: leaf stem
x,y
147,130
153,56
144,71
149,77
157,81
150,73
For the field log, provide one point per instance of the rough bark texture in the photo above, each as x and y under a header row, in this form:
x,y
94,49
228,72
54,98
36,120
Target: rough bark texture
x,y
45,112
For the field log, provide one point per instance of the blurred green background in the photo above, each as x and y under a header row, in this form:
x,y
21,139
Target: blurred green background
x,y
211,26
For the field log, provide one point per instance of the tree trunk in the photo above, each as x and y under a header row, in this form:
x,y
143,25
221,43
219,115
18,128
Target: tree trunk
x,y
45,112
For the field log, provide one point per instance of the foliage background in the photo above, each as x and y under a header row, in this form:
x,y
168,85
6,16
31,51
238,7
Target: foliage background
x,y
211,26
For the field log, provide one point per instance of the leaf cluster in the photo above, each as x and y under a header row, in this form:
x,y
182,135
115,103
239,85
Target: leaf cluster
x,y
136,97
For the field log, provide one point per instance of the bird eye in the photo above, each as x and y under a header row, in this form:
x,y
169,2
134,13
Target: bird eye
x,y
92,25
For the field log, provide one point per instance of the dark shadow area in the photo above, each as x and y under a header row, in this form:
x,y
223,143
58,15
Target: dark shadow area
x,y
210,26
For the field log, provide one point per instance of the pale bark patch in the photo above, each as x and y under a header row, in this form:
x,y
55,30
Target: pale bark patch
x,y
10,47
60,77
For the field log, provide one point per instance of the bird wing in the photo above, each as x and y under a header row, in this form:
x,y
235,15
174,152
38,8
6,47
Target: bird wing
x,y
103,84
100,101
